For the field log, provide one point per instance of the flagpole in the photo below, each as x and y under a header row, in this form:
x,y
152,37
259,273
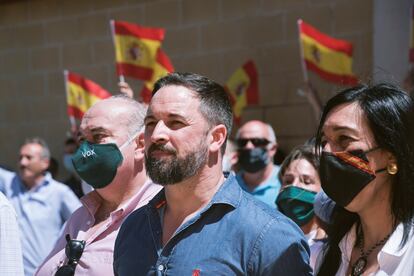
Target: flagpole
x,y
112,25
302,56
311,93
72,120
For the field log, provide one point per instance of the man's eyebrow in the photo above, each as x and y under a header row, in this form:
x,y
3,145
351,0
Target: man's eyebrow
x,y
100,130
176,116
149,116
170,116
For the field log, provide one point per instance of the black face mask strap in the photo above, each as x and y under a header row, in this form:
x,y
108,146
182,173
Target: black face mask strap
x,y
371,150
381,170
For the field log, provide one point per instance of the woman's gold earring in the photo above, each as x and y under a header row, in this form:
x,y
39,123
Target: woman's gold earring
x,y
392,168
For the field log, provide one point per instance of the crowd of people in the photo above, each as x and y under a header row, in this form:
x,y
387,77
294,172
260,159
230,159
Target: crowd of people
x,y
170,193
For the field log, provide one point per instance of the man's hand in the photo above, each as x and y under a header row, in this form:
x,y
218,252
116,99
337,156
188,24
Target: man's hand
x,y
124,88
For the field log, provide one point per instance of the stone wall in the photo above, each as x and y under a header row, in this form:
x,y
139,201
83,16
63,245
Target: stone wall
x,y
38,39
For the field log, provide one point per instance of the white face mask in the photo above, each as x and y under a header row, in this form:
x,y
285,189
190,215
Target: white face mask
x,y
86,188
226,163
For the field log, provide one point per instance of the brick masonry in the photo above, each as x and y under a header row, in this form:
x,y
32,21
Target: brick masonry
x,y
40,38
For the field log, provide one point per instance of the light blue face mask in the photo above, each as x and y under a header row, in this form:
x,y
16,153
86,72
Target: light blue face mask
x,y
97,164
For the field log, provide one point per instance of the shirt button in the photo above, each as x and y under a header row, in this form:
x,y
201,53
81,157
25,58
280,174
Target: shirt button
x,y
160,267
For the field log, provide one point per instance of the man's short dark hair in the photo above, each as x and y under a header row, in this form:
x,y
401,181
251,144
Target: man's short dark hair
x,y
215,104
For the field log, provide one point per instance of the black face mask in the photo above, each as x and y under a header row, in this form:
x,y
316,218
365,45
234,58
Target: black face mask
x,y
253,160
344,174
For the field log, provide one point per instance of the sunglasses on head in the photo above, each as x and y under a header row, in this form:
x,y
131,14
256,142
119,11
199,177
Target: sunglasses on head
x,y
73,251
257,142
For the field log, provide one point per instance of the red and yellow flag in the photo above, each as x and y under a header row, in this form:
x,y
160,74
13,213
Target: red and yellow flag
x,y
81,94
243,88
330,58
135,49
412,36
162,67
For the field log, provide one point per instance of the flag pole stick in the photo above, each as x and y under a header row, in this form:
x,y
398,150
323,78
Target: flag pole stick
x,y
72,120
311,92
302,56
112,25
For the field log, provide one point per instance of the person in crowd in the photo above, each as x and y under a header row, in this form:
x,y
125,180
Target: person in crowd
x,y
125,89
111,159
300,184
41,203
11,262
323,208
53,167
258,175
73,181
408,82
230,157
186,127
366,167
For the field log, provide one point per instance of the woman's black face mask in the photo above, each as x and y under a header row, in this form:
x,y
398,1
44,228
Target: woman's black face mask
x,y
344,174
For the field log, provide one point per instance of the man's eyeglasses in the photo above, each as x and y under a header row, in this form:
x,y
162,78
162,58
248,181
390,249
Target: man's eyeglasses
x,y
73,251
257,142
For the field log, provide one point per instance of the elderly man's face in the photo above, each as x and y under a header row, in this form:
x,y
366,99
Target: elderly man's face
x,y
31,162
175,136
102,127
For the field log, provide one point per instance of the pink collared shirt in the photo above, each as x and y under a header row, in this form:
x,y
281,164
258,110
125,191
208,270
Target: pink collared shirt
x,y
97,256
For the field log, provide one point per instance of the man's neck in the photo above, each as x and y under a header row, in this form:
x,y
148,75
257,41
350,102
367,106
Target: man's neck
x,y
116,194
194,193
186,198
31,183
253,180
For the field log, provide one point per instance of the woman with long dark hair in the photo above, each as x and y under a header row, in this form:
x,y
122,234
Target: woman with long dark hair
x,y
367,168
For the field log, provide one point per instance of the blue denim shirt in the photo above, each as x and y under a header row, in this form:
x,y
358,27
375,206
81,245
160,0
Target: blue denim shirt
x,y
234,234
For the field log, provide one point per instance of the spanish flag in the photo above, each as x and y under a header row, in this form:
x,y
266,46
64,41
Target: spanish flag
x,y
162,67
135,49
330,58
243,88
81,94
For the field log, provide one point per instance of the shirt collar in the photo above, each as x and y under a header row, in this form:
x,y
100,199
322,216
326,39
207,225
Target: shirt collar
x,y
45,181
229,193
390,254
93,200
267,184
347,243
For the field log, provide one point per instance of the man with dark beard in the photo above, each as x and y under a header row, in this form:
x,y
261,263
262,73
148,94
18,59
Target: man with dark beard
x,y
201,222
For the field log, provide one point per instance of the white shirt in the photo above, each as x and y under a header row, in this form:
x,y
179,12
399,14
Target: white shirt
x,y
391,259
315,246
11,262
